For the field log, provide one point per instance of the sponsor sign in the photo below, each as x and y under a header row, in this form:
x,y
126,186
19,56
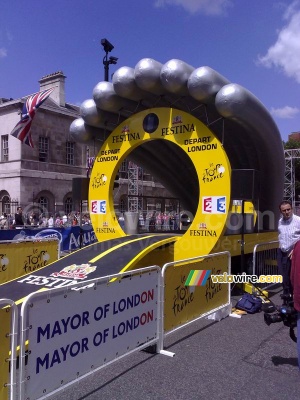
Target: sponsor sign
x,y
75,271
73,332
69,238
98,206
214,205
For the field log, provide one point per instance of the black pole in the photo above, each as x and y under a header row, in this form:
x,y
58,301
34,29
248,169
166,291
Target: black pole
x,y
80,228
106,67
108,47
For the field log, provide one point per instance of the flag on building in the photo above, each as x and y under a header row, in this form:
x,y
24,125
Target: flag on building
x,y
197,277
89,165
22,130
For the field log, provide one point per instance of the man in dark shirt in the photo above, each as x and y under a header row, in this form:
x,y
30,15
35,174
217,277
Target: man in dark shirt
x,y
19,217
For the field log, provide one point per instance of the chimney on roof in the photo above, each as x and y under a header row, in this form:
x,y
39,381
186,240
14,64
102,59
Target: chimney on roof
x,y
56,80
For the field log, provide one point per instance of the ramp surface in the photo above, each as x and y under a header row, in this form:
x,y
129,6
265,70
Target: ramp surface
x,y
104,258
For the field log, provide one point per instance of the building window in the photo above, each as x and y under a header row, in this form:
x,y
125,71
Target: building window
x,y
122,206
43,149
68,205
4,148
5,204
123,173
123,167
43,201
70,153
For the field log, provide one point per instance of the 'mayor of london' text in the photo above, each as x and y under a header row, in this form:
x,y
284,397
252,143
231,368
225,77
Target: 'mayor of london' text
x,y
243,278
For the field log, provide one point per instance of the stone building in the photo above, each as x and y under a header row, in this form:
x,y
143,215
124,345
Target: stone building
x,y
294,136
139,190
40,177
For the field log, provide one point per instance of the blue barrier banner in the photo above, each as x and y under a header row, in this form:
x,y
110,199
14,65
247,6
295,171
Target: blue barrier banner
x,y
70,238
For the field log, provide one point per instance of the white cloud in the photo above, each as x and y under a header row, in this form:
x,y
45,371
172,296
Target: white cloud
x,y
208,7
286,112
285,53
3,52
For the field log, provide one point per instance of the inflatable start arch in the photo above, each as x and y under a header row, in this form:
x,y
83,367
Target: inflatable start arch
x,y
204,152
178,122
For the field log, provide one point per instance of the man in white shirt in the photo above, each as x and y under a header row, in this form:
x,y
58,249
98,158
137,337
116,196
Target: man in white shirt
x,y
64,219
50,222
289,234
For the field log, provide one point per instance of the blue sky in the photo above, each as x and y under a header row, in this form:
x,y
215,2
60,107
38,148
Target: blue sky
x,y
255,43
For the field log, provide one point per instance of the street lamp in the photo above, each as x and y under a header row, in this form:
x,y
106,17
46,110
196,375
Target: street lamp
x,y
108,47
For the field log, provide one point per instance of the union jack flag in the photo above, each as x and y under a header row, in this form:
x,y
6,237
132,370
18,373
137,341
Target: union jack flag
x,y
89,165
22,130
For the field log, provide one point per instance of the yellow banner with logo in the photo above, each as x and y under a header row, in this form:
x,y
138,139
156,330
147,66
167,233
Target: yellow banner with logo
x,y
182,303
24,257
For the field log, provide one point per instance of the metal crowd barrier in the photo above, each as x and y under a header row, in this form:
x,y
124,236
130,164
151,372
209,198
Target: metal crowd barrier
x,y
212,299
73,332
8,360
69,333
265,261
22,256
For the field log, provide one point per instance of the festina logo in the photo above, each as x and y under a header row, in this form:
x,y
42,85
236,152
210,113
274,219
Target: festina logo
x,y
204,232
125,137
174,130
105,230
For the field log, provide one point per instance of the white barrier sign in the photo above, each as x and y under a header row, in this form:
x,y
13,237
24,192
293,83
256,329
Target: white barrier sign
x,y
71,333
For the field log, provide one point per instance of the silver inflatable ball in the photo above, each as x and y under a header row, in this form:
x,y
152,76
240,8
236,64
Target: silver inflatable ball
x,y
80,132
174,76
91,114
204,83
125,85
106,98
147,76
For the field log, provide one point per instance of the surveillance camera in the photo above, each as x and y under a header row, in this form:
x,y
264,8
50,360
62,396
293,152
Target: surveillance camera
x,y
108,47
113,60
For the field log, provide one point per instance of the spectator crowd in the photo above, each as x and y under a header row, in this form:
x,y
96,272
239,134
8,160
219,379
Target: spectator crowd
x,y
35,220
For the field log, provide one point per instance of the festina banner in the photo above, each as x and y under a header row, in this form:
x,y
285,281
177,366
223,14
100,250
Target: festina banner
x,y
70,239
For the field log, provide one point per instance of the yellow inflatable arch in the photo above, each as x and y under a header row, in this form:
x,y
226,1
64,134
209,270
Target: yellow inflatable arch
x,y
204,151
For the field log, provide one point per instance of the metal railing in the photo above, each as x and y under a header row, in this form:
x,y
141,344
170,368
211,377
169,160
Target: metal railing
x,y
265,261
8,367
142,316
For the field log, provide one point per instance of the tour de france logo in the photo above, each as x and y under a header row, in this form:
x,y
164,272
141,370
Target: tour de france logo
x,y
150,123
213,172
4,261
99,180
38,259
